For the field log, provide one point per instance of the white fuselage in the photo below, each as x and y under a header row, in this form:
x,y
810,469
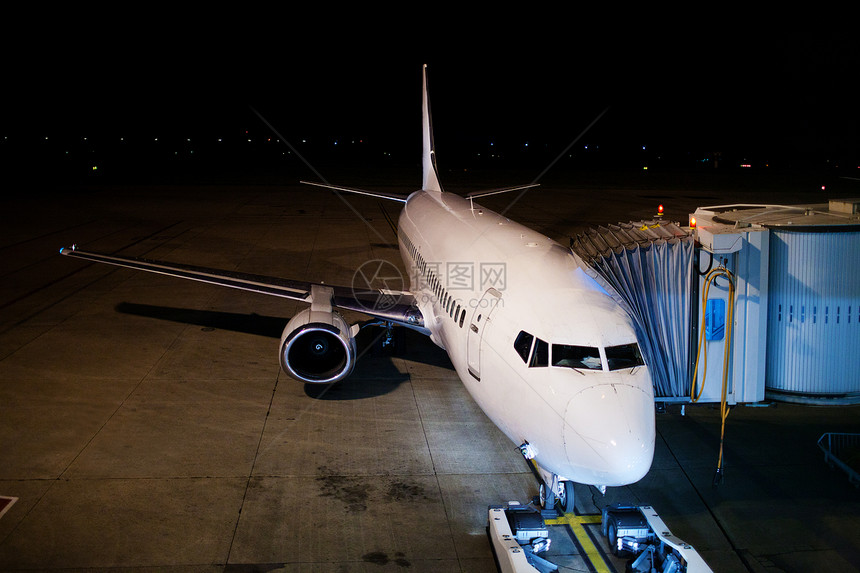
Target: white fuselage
x,y
491,292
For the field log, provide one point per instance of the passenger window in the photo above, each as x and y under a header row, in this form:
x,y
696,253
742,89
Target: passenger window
x,y
624,356
576,356
462,318
523,345
540,356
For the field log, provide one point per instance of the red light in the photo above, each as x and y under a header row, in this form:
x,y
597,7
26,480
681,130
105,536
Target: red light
x,y
692,222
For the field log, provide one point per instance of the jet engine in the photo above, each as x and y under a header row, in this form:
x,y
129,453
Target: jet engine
x,y
318,347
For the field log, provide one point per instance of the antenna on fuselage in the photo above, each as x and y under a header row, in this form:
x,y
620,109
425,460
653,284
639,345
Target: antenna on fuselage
x,y
431,175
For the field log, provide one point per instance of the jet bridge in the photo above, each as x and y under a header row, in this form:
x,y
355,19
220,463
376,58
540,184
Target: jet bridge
x,y
748,302
796,309
647,266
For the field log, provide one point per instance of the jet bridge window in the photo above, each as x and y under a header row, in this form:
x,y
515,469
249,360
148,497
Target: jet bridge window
x,y
587,357
624,356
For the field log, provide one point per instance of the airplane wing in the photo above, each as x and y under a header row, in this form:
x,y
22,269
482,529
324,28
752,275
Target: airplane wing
x,y
393,306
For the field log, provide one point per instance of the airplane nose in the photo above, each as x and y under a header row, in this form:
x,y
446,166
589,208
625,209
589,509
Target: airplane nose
x,y
610,432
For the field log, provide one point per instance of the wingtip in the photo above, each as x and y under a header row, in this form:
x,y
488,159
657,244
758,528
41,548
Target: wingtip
x,y
67,250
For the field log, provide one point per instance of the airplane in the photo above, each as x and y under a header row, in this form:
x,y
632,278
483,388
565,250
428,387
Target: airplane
x,y
543,349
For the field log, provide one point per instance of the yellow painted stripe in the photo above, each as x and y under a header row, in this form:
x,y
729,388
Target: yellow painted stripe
x,y
577,526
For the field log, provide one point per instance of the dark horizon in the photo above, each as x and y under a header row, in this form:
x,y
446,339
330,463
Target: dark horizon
x,y
742,96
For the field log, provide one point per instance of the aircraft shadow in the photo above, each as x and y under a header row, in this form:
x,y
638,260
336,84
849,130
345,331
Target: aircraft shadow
x,y
375,373
269,326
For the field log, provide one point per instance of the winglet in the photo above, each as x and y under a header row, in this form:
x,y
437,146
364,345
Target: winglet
x,y
431,176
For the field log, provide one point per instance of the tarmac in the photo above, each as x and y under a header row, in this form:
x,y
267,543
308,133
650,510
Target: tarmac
x,y
145,424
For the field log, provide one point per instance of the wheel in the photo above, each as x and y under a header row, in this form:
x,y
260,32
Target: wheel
x,y
542,495
612,538
566,497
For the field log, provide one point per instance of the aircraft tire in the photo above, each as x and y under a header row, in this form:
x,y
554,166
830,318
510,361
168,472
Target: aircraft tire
x,y
566,499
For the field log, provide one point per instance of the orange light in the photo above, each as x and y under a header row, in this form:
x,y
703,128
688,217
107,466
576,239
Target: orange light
x,y
692,222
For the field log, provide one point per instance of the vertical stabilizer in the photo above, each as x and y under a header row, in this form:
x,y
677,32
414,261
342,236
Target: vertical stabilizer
x,y
431,177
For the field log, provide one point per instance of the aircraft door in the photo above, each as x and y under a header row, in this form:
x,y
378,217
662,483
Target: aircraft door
x,y
477,324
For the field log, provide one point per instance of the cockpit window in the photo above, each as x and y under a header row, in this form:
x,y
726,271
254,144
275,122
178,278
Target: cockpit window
x,y
540,356
536,353
624,356
576,356
523,345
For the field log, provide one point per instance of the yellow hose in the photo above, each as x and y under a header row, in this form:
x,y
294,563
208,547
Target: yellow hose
x,y
694,396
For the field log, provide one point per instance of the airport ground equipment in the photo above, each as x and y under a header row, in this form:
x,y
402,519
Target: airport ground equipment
x,y
517,534
796,307
842,451
780,323
636,531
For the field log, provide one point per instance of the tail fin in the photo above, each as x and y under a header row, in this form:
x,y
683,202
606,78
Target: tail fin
x,y
431,176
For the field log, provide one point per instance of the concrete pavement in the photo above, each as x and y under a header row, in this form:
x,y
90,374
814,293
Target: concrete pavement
x,y
145,425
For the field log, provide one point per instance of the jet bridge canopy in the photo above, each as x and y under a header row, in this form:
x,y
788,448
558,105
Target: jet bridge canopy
x,y
647,266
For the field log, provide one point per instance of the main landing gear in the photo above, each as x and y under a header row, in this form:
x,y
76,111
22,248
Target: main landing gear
x,y
390,341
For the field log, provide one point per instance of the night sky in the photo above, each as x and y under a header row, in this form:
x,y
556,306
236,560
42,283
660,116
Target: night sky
x,y
760,91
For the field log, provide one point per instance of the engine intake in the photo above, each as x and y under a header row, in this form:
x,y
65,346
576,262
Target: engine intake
x,y
317,347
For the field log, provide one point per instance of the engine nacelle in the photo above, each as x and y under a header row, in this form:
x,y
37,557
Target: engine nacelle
x,y
318,347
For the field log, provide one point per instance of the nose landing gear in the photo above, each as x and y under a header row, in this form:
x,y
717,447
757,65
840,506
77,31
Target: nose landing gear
x,y
558,492
554,489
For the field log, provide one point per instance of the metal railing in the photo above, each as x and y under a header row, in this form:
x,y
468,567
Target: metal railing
x,y
842,451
